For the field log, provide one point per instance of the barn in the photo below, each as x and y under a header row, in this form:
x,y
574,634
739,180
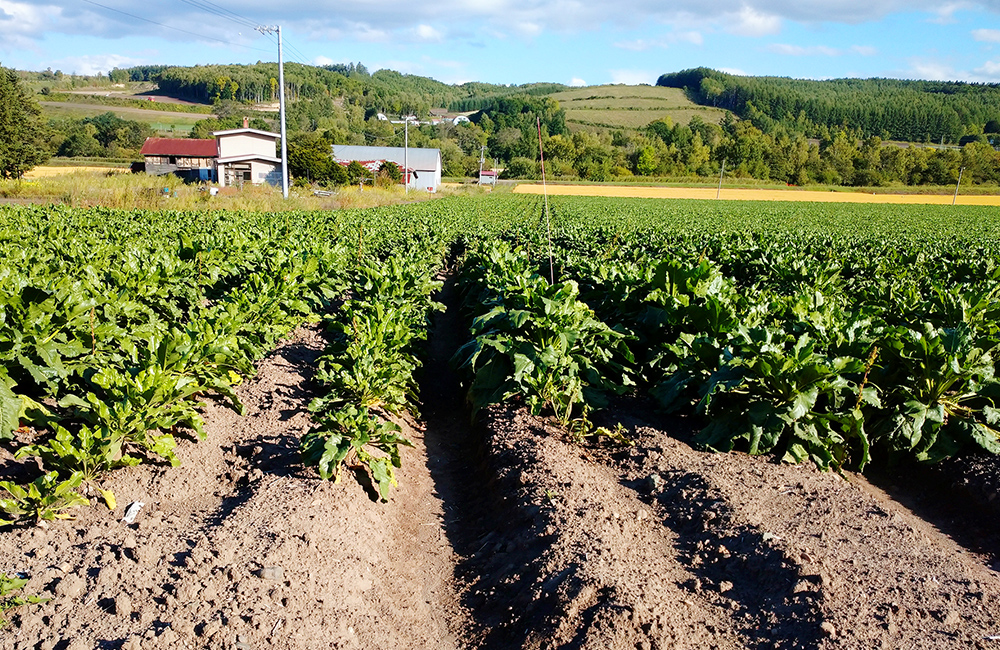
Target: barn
x,y
425,164
190,158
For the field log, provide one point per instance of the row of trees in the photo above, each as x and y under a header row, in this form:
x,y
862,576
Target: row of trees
x,y
508,128
912,111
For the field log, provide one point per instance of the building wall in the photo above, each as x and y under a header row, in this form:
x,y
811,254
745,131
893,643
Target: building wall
x,y
242,144
162,165
234,174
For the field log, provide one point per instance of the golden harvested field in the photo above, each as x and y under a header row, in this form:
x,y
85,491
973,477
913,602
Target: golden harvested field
x,y
752,195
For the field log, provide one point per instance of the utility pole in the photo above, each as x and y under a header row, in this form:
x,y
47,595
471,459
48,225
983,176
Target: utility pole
x,y
406,155
281,108
482,161
957,185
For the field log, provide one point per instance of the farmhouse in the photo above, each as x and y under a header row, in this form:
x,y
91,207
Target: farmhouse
x,y
233,158
424,164
247,156
189,158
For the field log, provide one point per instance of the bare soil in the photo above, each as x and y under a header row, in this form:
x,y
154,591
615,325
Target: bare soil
x,y
505,534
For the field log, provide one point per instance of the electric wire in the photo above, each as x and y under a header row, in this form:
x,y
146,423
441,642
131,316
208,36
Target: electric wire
x,y
176,29
216,13
222,12
240,19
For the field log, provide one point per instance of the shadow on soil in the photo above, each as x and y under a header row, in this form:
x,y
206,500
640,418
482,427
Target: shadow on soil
x,y
478,527
737,567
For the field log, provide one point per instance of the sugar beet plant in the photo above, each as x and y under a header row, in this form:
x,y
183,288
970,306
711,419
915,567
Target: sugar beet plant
x,y
114,326
370,366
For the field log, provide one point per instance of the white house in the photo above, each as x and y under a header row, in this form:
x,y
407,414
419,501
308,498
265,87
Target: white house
x,y
424,164
247,156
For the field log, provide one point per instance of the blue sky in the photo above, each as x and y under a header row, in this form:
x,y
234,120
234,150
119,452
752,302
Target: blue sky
x,y
578,42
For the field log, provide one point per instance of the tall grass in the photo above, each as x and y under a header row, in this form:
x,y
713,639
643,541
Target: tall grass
x,y
125,191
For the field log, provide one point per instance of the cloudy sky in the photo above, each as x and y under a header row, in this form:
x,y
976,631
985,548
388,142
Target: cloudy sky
x,y
580,42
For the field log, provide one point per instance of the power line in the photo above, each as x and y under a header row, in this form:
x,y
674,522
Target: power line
x,y
222,12
176,29
240,19
217,13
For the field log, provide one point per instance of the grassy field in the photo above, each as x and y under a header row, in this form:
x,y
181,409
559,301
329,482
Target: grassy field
x,y
109,186
165,123
629,107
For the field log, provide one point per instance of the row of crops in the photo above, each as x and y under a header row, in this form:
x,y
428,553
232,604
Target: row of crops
x,y
834,333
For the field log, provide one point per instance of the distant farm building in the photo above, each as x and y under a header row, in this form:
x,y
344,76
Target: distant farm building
x,y
233,158
487,177
191,159
247,156
424,164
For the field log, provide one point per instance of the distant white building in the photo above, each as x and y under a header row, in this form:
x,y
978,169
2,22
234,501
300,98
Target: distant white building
x,y
234,158
247,156
424,164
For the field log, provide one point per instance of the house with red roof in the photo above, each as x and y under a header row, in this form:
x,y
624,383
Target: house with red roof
x,y
190,158
232,158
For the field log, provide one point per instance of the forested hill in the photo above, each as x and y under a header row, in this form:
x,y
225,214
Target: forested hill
x,y
383,91
914,111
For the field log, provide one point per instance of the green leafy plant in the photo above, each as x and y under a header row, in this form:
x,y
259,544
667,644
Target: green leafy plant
x,y
353,436
45,499
8,585
944,391
546,345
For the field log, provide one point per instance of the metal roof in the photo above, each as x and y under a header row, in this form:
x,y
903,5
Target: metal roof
x,y
418,159
192,147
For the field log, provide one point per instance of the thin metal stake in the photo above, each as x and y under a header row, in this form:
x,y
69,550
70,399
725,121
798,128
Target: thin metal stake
x,y
545,193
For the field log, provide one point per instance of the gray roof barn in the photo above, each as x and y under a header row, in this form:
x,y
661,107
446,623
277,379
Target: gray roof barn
x,y
425,163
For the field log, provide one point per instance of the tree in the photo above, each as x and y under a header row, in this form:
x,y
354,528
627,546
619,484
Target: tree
x,y
22,133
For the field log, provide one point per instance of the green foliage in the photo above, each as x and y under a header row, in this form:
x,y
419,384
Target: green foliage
x,y
8,585
539,342
350,436
914,111
22,134
44,499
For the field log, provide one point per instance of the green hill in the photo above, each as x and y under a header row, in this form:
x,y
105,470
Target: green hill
x,y
629,107
892,109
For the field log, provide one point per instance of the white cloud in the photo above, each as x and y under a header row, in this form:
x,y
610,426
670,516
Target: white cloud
x,y
945,14
798,50
577,81
989,72
20,23
323,60
665,41
933,70
864,50
734,71
93,64
429,34
633,77
986,35
751,22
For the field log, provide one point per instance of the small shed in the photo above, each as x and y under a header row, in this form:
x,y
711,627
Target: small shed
x,y
425,164
487,177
